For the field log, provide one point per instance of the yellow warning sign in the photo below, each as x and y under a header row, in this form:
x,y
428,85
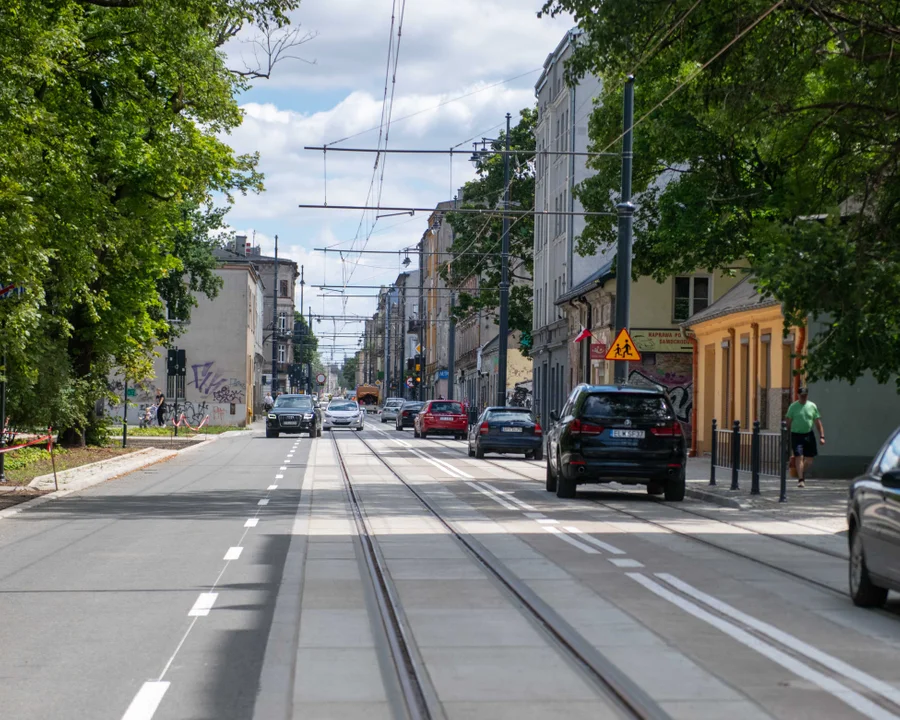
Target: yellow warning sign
x,y
623,348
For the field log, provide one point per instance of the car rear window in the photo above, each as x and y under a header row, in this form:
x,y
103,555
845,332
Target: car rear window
x,y
509,416
449,408
394,403
413,406
625,405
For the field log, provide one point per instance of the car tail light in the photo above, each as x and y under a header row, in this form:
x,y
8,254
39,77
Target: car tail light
x,y
406,413
483,430
580,427
537,429
671,430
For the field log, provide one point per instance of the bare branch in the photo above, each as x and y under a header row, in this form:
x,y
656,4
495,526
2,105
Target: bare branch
x,y
274,45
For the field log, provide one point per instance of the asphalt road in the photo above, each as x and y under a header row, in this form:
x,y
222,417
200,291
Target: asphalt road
x,y
209,587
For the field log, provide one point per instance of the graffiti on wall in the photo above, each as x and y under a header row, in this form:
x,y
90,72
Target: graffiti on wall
x,y
209,381
674,371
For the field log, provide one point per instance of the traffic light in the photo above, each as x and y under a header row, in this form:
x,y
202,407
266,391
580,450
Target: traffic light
x,y
176,364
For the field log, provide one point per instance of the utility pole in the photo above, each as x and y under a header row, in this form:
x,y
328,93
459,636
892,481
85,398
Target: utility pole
x,y
503,339
451,349
308,362
275,323
3,418
626,218
387,344
300,359
401,336
420,352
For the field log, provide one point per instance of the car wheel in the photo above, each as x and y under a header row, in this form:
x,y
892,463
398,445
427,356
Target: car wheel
x,y
272,433
863,591
423,435
551,478
539,454
675,487
565,487
479,451
383,421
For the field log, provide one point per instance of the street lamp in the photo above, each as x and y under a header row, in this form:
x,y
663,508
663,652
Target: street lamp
x,y
503,332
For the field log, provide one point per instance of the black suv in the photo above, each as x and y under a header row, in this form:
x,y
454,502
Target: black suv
x,y
294,414
621,433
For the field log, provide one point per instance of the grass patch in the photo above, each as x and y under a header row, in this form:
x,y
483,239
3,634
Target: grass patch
x,y
182,432
23,466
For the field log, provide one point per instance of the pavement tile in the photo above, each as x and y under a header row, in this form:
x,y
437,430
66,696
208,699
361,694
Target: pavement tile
x,y
434,569
333,550
561,710
342,711
338,675
450,594
332,569
344,628
473,628
715,710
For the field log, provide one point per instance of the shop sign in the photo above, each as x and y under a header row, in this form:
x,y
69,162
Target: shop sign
x,y
661,341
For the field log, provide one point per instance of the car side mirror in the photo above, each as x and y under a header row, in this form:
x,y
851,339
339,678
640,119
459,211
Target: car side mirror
x,y
891,479
554,416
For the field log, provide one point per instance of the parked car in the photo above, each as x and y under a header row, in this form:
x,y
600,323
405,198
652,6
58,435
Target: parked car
x,y
506,430
873,520
344,414
407,415
293,414
391,408
441,417
621,433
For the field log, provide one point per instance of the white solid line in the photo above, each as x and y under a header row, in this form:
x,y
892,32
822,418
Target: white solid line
x,y
146,701
449,471
548,521
279,477
499,500
887,691
625,562
523,505
856,701
252,522
572,541
535,515
233,553
445,465
611,549
272,487
264,501
203,605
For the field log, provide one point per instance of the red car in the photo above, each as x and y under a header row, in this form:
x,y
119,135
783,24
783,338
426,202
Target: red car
x,y
441,417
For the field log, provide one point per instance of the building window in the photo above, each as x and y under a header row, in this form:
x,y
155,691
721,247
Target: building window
x,y
691,296
282,321
282,353
283,288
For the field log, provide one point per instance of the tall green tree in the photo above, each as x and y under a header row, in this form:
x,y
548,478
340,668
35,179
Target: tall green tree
x,y
477,243
306,344
348,371
784,150
112,114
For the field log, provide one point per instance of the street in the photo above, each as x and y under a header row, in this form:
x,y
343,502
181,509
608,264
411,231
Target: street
x,y
238,581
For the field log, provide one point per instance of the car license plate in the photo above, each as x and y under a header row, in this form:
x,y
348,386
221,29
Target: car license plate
x,y
635,434
342,422
510,429
446,418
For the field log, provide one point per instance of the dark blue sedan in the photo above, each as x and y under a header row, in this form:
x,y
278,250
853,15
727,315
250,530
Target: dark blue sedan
x,y
506,430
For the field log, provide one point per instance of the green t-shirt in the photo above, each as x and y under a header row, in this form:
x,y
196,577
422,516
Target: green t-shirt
x,y
802,416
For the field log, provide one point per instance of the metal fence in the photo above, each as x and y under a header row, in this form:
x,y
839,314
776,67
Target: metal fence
x,y
753,451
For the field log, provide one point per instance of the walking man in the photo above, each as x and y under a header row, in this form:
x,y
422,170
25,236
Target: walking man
x,y
801,416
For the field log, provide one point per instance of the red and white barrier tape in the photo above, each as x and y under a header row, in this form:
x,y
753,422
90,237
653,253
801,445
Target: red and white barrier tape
x,y
36,441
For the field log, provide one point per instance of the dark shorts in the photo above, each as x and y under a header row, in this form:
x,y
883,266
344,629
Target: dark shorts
x,y
804,444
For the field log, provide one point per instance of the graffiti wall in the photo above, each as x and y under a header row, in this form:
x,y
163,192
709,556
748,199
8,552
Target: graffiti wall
x,y
674,371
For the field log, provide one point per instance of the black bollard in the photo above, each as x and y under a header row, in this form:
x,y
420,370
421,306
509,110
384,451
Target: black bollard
x,y
735,454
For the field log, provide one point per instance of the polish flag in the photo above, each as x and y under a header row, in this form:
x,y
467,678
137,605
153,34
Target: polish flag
x,y
583,335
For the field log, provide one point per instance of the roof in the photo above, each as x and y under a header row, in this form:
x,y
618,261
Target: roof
x,y
742,297
591,283
554,57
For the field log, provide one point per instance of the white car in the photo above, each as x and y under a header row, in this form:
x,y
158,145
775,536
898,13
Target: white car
x,y
344,414
391,409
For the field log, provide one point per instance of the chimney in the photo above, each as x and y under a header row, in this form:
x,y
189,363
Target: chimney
x,y
240,244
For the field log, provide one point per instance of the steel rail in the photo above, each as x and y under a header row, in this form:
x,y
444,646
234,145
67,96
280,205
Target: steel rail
x,y
407,669
627,697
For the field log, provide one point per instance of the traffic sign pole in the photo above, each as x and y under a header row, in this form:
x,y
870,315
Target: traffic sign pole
x,y
626,220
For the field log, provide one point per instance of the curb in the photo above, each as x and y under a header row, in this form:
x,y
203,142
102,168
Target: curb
x,y
716,499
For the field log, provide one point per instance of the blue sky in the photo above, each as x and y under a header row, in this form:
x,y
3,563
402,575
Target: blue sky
x,y
449,48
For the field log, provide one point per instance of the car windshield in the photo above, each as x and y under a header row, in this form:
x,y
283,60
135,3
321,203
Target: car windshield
x,y
413,406
342,407
448,408
501,416
393,403
294,403
624,405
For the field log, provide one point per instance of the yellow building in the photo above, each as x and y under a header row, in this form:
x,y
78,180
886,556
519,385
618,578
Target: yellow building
x,y
744,363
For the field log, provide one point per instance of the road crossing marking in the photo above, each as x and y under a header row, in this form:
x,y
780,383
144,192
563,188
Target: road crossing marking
x,y
233,553
279,477
625,562
264,501
203,605
273,487
251,523
146,701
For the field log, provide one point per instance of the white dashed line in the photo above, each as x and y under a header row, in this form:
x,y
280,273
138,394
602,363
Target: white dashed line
x,y
279,477
252,522
625,562
498,500
233,553
272,487
146,701
264,501
572,541
203,605
510,496
611,549
283,467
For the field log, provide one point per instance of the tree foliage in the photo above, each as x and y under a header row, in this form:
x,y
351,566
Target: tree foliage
x,y
306,344
348,371
785,151
477,243
112,114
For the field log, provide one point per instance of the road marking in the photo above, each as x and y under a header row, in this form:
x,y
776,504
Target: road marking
x,y
548,521
572,541
499,500
233,553
456,472
856,701
535,515
625,562
279,477
506,493
273,487
264,501
252,522
283,467
146,701
611,549
203,605
832,663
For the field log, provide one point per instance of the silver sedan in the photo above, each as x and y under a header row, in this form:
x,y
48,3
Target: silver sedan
x,y
344,414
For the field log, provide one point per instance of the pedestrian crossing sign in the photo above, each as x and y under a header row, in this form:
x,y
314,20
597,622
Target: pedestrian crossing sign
x,y
623,348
